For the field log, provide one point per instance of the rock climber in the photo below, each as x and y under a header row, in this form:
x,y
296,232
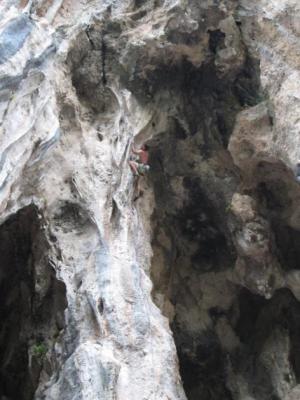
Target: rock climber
x,y
139,165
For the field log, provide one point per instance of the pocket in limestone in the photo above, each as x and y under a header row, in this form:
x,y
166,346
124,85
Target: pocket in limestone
x,y
88,61
71,217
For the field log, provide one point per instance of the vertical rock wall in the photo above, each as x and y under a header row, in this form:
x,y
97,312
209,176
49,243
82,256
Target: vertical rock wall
x,y
208,255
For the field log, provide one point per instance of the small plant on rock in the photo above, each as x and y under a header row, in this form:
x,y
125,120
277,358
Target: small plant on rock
x,y
228,208
39,350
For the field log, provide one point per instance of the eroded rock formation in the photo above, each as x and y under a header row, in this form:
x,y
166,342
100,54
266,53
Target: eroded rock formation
x,y
192,291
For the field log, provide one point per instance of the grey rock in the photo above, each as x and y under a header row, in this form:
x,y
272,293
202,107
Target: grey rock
x,y
192,290
13,36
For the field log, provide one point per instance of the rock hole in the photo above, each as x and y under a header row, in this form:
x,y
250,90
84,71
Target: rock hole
x,y
88,63
71,217
101,305
216,40
32,304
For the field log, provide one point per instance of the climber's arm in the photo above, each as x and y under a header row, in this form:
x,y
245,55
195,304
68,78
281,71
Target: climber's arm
x,y
136,151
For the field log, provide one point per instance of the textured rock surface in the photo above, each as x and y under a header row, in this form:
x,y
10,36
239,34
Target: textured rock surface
x,y
191,292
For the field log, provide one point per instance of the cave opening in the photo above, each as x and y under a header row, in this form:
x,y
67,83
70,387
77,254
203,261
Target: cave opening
x,y
203,367
32,304
226,336
193,243
268,355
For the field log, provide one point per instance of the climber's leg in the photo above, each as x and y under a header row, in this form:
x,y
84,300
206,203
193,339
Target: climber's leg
x,y
139,192
134,167
297,172
136,191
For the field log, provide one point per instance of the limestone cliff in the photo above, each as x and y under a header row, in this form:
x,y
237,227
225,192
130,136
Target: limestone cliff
x,y
193,290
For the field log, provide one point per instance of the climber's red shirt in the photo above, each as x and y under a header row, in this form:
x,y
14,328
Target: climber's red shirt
x,y
144,156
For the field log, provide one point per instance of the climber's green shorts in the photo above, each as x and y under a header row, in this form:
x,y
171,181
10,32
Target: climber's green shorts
x,y
142,168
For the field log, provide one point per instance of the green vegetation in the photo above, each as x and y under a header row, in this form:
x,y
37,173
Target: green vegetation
x,y
228,208
39,350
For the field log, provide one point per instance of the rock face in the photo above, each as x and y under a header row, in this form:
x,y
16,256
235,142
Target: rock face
x,y
192,291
